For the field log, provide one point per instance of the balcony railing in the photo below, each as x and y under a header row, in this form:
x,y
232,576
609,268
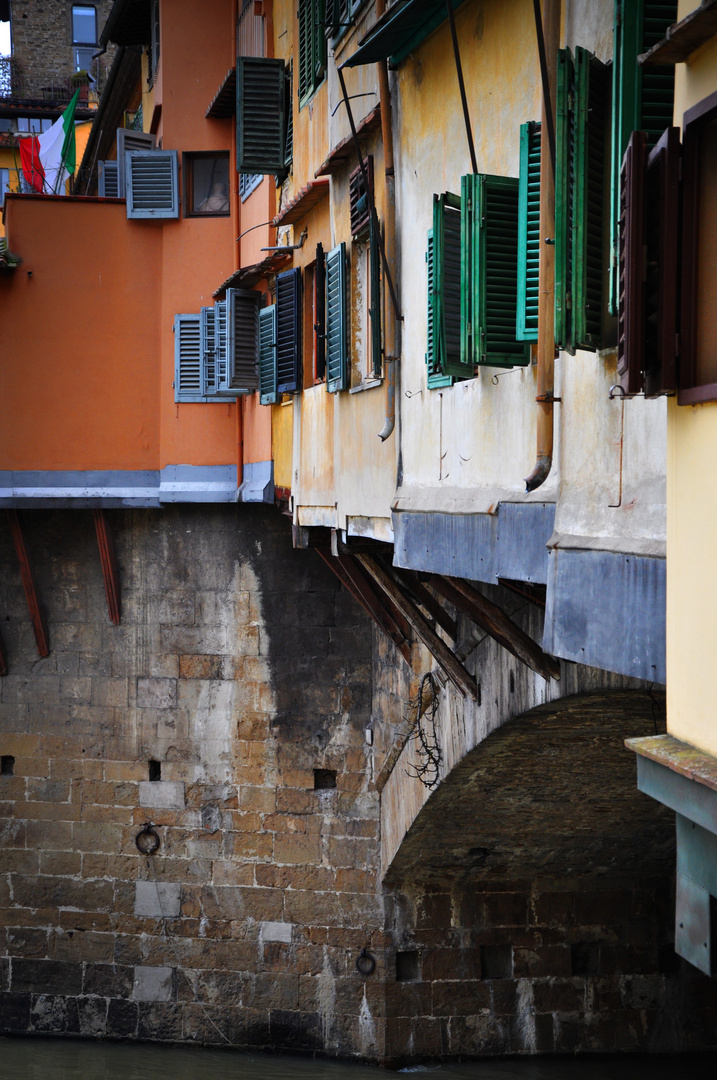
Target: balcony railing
x,y
17,85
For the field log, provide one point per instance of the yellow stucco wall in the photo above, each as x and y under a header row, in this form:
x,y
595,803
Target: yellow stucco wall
x,y
692,512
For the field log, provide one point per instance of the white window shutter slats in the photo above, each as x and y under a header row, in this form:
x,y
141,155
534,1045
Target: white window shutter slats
x,y
152,184
108,180
128,140
243,339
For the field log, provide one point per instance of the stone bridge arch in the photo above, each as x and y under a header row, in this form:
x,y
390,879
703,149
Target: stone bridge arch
x,y
530,902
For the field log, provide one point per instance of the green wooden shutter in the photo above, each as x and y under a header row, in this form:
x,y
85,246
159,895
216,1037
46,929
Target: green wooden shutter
x,y
435,375
643,97
590,260
528,232
495,271
288,331
312,46
305,41
261,89
337,374
448,278
267,355
564,176
375,300
320,313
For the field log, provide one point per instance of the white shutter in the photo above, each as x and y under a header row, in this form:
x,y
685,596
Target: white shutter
x,y
152,184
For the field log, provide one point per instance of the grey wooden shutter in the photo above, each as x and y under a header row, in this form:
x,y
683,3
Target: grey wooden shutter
x,y
631,292
288,331
261,90
662,225
220,349
375,301
528,232
320,313
127,141
187,358
267,355
208,350
152,184
108,179
336,328
243,339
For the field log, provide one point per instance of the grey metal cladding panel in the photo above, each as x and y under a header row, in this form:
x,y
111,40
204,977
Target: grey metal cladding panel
x,y
607,610
687,797
460,545
697,854
692,924
521,542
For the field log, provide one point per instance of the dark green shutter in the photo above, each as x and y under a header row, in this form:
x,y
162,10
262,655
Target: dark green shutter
x,y
580,258
261,90
288,331
320,313
267,355
528,232
435,375
305,48
564,175
447,219
643,97
289,106
375,301
495,271
336,328
312,46
590,261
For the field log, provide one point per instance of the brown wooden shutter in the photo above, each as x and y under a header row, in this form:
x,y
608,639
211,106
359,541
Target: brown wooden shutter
x,y
662,216
631,267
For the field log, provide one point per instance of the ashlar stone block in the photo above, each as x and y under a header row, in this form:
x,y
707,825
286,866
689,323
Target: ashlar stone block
x,y
153,984
276,931
162,794
154,899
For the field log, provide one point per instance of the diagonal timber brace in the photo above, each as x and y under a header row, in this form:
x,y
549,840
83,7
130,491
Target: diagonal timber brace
x,y
496,623
29,584
384,614
110,569
427,601
461,679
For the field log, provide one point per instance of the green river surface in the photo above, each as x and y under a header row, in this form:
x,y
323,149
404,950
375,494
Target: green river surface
x,y
66,1059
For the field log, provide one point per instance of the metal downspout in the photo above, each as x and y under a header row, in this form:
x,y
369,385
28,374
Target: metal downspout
x,y
546,273
391,350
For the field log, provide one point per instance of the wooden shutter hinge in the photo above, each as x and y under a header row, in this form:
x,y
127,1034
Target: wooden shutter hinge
x,y
548,398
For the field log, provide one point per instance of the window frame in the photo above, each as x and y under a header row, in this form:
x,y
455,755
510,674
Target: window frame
x,y
87,7
188,160
693,123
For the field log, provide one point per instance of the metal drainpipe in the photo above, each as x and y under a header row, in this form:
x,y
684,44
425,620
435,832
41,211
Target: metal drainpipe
x,y
391,349
546,273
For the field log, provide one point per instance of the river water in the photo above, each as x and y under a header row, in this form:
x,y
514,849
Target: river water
x,y
63,1059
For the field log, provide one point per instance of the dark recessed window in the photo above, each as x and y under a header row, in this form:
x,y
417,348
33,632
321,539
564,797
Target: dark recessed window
x,y
155,770
84,25
7,765
585,958
407,965
324,778
206,185
496,961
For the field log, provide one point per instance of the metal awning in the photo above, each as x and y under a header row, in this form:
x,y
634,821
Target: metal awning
x,y
302,202
684,37
225,99
249,276
399,31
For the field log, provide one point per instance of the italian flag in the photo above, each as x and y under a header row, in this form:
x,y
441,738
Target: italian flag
x,y
49,159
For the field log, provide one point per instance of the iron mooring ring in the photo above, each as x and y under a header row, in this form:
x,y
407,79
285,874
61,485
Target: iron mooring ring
x,y
365,963
147,840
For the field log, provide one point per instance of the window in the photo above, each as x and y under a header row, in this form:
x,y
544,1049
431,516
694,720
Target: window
x,y
34,124
472,264
581,255
261,115
206,185
698,333
152,184
250,31
312,47
84,25
642,97
366,306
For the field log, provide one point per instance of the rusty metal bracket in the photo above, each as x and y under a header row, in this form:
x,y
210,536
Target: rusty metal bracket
x,y
110,569
39,625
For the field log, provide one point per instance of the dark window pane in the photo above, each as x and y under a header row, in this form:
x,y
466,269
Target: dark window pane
x,y
210,185
706,329
84,25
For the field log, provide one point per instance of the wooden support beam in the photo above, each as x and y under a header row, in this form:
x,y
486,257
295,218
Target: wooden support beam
x,y
367,598
29,584
400,627
461,679
427,600
495,622
110,569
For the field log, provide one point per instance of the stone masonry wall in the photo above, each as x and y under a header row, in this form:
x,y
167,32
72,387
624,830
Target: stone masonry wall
x,y
42,43
239,668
